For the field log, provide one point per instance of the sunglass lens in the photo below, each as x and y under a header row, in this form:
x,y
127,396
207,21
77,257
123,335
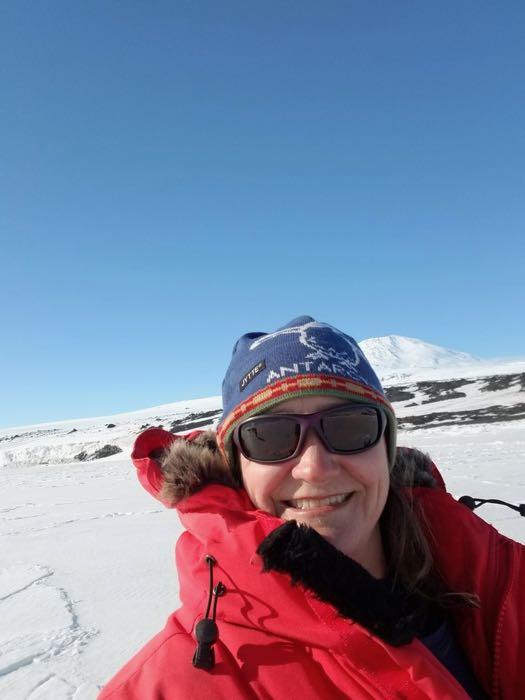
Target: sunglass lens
x,y
269,439
352,429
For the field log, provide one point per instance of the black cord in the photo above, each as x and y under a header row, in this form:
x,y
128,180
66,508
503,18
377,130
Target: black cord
x,y
474,503
211,561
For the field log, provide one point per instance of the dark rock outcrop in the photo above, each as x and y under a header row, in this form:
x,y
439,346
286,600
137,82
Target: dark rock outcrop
x,y
194,420
105,451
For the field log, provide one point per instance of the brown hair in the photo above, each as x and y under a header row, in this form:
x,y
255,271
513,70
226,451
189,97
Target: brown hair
x,y
407,550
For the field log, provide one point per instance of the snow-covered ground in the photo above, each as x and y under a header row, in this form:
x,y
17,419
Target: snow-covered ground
x,y
87,573
87,557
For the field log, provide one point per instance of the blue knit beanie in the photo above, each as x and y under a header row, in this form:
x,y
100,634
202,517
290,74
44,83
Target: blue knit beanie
x,y
303,358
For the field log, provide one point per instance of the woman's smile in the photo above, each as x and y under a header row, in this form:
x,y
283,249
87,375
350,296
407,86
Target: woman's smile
x,y
317,504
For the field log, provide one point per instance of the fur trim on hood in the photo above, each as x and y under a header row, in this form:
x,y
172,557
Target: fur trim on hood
x,y
189,466
414,468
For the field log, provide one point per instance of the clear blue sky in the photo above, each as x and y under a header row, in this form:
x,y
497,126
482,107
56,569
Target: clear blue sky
x,y
173,174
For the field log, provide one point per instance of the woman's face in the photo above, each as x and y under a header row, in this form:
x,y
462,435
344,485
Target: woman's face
x,y
298,488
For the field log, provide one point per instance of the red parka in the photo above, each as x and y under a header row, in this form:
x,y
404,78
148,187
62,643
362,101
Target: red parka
x,y
277,641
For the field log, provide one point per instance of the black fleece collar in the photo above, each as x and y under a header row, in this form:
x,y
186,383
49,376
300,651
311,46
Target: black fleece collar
x,y
386,610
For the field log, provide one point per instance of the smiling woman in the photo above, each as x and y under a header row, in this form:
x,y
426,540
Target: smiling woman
x,y
320,560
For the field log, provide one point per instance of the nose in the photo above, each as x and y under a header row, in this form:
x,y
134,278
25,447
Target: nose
x,y
315,463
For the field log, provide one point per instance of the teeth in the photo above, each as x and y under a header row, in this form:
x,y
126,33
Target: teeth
x,y
310,503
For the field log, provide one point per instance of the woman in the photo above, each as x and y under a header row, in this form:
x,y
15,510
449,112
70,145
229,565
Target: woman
x,y
319,561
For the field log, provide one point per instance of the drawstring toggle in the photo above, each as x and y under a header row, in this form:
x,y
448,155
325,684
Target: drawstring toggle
x,y
206,630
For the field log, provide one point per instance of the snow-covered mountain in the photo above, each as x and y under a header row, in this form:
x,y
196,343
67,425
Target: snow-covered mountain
x,y
398,357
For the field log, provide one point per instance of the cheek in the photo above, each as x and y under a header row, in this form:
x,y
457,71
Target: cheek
x,y
260,484
370,469
381,486
376,478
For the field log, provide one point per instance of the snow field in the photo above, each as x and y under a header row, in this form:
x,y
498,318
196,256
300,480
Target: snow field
x,y
87,569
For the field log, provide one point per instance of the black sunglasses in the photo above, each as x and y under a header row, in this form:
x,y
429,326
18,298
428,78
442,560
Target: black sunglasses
x,y
276,437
